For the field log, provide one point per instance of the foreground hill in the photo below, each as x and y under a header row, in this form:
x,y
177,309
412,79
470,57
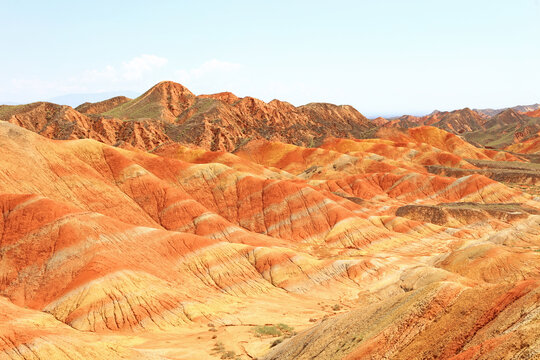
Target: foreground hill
x,y
177,226
186,253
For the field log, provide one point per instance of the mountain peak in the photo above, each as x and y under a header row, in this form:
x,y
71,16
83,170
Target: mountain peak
x,y
507,117
165,87
507,111
225,96
164,101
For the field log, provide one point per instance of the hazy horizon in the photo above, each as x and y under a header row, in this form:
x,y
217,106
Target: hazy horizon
x,y
76,99
386,59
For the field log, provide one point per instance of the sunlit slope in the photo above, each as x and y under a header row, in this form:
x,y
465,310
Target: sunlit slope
x,y
130,249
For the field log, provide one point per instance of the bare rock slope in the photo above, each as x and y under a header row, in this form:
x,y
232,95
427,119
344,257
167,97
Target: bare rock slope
x,y
138,233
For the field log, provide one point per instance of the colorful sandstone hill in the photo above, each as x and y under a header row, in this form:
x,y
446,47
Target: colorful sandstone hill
x,y
176,226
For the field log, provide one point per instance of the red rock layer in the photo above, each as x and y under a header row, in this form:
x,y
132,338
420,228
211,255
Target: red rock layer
x,y
170,112
534,113
109,239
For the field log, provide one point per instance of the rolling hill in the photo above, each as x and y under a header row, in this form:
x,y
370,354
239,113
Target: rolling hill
x,y
182,226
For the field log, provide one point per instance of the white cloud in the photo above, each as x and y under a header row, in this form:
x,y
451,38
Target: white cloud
x,y
136,67
212,67
133,69
109,73
137,74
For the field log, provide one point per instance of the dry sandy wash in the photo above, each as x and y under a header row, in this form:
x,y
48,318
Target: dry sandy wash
x,y
122,244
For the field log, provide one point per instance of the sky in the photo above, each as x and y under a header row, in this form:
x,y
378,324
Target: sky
x,y
384,57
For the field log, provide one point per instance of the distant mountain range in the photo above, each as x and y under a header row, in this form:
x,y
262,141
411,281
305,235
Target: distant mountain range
x,y
519,108
169,112
506,127
75,100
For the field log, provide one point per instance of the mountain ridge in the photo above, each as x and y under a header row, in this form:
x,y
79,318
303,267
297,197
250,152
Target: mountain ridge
x,y
219,122
518,108
169,112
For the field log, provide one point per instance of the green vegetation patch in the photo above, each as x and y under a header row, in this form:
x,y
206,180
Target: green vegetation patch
x,y
203,105
8,110
498,136
274,330
135,109
267,330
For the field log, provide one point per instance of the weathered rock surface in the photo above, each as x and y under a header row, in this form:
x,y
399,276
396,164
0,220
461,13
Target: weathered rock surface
x,y
412,244
170,112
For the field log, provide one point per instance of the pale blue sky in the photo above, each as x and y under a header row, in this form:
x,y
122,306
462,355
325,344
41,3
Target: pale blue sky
x,y
384,57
